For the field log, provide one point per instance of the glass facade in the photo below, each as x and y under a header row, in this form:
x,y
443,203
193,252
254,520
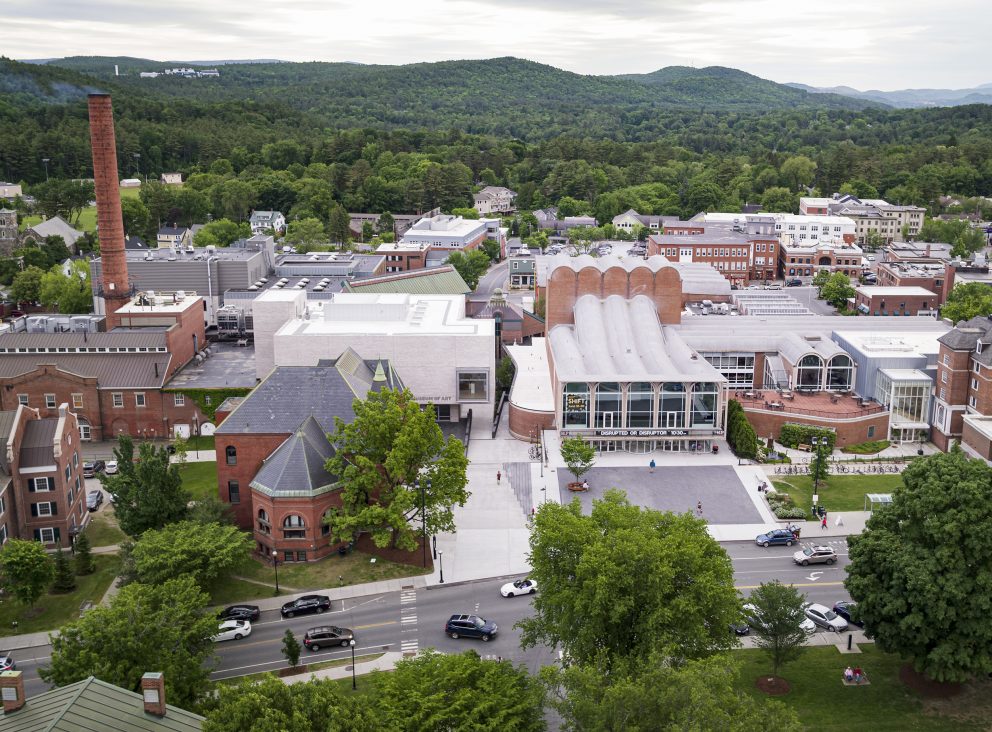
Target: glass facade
x,y
608,406
809,374
640,404
840,373
575,406
737,368
671,405
907,395
704,401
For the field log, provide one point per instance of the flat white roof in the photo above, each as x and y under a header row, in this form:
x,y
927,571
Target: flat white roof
x,y
981,423
877,342
170,304
907,375
532,387
908,291
393,314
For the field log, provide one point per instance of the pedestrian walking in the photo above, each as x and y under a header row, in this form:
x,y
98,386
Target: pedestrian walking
x,y
498,475
651,465
699,508
823,522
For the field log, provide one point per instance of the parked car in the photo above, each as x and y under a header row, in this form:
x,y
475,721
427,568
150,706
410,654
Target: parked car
x,y
7,662
111,467
92,467
240,612
327,635
524,586
232,630
775,536
825,617
794,283
306,604
815,555
470,626
773,286
94,499
751,615
740,629
849,611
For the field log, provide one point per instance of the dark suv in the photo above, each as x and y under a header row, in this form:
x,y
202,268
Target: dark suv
x,y
327,635
470,626
306,604
92,467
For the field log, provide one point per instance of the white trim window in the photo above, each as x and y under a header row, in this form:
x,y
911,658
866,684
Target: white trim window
x,y
77,401
49,401
139,399
118,398
47,535
179,400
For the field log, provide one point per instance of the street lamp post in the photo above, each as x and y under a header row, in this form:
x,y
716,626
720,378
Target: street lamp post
x,y
196,436
440,561
275,567
354,681
45,161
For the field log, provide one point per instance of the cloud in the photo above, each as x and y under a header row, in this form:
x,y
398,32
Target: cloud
x,y
884,44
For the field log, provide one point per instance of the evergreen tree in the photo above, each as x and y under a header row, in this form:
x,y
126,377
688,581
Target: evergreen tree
x,y
65,579
291,648
84,560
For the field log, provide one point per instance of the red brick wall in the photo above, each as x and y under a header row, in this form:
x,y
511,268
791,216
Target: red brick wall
x,y
851,432
526,424
954,376
47,379
976,441
901,304
315,544
252,451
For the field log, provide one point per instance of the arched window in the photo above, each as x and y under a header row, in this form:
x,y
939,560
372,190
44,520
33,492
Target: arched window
x,y
840,372
809,375
704,398
575,405
231,452
640,404
671,405
824,261
608,406
325,526
294,527
263,522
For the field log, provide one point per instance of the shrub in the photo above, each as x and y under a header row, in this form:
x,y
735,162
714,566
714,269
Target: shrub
x,y
789,512
794,435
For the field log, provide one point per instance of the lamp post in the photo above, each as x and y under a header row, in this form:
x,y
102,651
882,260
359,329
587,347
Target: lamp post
x,y
275,567
196,436
354,680
440,561
45,161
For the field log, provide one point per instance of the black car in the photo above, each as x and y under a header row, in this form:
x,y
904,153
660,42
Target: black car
x,y
94,499
794,283
740,629
848,611
240,612
306,604
92,467
327,635
470,626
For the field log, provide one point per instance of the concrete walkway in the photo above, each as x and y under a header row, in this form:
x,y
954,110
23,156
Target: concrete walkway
x,y
825,639
386,662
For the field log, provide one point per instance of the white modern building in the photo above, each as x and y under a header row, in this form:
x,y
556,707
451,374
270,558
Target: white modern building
x,y
454,233
446,358
494,199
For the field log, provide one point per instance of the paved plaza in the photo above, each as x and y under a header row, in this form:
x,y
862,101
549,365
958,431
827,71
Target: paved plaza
x,y
672,488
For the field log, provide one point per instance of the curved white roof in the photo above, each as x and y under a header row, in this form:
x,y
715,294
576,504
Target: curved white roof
x,y
623,340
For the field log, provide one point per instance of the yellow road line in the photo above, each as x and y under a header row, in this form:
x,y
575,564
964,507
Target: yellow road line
x,y
376,625
794,584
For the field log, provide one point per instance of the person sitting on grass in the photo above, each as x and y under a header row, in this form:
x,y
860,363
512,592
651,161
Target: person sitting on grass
x,y
858,675
848,675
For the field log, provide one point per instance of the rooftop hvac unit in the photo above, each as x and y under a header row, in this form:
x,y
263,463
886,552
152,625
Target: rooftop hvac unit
x,y
150,293
149,257
180,294
263,279
253,288
211,249
318,288
305,280
172,257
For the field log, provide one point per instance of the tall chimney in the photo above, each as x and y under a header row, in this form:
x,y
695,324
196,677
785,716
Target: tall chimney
x,y
108,206
12,690
153,693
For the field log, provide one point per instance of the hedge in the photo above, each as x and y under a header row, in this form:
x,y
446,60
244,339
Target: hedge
x,y
740,434
794,435
209,399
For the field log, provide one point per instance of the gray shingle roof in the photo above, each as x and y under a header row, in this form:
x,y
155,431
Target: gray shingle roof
x,y
57,226
111,370
92,705
290,393
36,445
965,336
296,468
114,339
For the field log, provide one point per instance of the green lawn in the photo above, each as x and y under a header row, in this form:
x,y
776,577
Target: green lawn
x,y
839,493
53,611
87,218
200,479
203,442
334,571
825,704
102,529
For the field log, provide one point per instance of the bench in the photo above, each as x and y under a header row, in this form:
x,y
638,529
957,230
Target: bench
x,y
804,448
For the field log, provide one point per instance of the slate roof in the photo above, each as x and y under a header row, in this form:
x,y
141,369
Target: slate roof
x,y
57,226
141,338
296,468
6,426
92,705
111,370
291,393
965,336
172,231
36,445
437,281
135,242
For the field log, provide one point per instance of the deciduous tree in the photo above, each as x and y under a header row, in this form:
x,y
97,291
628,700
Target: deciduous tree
x,y
379,456
579,456
919,572
67,294
306,233
26,570
204,551
471,265
166,625
967,301
775,622
837,290
628,583
27,285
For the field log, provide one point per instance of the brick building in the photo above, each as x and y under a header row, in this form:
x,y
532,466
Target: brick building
x,y
42,493
272,446
881,301
964,366
742,250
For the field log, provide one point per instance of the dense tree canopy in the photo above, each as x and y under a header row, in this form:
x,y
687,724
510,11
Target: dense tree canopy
x,y
967,301
204,551
920,574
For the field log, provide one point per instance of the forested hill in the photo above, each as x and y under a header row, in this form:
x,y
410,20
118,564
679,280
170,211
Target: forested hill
x,y
26,84
504,95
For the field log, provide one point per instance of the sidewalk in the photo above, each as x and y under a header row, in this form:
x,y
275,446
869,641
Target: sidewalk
x,y
825,639
386,662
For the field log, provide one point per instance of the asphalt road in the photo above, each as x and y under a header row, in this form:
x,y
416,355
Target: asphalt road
x,y
411,620
496,277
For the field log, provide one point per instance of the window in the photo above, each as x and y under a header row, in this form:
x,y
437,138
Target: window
x,y
972,401
77,401
68,473
263,522
231,454
84,430
301,556
48,508
977,368
640,404
40,485
473,386
943,394
840,373
947,360
325,526
179,400
943,376
810,372
607,406
671,405
46,536
293,527
575,405
3,534
118,399
75,459
233,491
139,399
974,383
288,556
22,399
50,401
704,398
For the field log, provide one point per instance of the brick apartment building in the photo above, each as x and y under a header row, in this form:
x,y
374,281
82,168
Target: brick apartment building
x,y
272,446
42,493
964,367
742,250
882,301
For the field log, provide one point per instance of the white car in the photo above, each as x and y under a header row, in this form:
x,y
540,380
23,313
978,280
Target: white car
x,y
524,586
751,613
111,468
233,630
826,618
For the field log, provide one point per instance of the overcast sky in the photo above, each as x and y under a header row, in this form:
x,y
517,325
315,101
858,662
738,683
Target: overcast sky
x,y
880,44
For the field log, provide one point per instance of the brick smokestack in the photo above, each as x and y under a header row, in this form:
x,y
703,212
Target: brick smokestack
x,y
12,688
153,693
115,285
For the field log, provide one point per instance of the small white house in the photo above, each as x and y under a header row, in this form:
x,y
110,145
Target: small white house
x,y
131,183
172,179
262,221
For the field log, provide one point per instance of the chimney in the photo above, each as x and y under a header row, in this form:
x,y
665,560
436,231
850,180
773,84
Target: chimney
x,y
928,250
108,206
153,692
12,691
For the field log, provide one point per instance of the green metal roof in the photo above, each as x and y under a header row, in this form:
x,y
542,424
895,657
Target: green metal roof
x,y
437,281
92,705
